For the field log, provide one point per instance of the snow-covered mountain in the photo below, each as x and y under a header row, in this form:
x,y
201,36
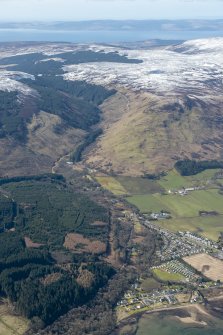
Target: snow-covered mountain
x,y
196,66
211,45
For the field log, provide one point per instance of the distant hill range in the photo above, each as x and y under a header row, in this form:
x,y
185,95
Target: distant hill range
x,y
122,25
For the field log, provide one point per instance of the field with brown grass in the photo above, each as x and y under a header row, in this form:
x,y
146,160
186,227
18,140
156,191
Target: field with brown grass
x,y
78,243
10,323
209,266
99,224
30,244
51,278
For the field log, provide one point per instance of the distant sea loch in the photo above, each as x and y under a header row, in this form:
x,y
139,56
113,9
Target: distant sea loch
x,y
16,35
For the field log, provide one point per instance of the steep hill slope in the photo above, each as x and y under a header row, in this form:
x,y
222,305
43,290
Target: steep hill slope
x,y
156,131
42,116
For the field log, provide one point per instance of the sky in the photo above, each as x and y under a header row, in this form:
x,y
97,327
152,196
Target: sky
x,y
73,10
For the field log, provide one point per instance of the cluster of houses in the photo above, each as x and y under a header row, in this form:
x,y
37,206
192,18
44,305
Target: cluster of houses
x,y
184,191
134,300
179,267
160,216
176,246
199,239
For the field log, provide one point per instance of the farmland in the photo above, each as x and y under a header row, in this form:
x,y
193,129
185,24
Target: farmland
x,y
111,184
123,185
153,196
185,211
209,266
173,180
209,227
188,206
138,185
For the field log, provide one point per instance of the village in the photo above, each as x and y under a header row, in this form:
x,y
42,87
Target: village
x,y
185,282
177,283
136,300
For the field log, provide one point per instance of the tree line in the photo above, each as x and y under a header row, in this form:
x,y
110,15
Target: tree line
x,y
191,167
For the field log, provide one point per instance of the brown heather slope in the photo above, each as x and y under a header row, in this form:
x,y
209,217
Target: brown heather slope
x,y
45,144
144,132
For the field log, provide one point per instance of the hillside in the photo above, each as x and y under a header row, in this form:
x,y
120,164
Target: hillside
x,y
144,132
169,107
155,106
38,108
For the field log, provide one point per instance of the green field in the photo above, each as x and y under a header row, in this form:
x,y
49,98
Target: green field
x,y
187,206
210,227
111,184
175,181
150,284
185,211
123,185
163,275
137,185
148,196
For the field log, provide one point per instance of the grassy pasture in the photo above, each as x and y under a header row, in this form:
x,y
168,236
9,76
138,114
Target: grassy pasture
x,y
172,181
121,185
209,226
150,284
137,185
111,184
175,181
203,176
163,275
187,206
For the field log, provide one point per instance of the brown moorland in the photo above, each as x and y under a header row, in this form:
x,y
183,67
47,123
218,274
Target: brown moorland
x,y
78,243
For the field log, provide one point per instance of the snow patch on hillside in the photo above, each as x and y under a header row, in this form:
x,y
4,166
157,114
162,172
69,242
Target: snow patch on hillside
x,y
9,81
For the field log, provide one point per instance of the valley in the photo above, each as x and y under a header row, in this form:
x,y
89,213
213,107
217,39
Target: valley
x,y
96,216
